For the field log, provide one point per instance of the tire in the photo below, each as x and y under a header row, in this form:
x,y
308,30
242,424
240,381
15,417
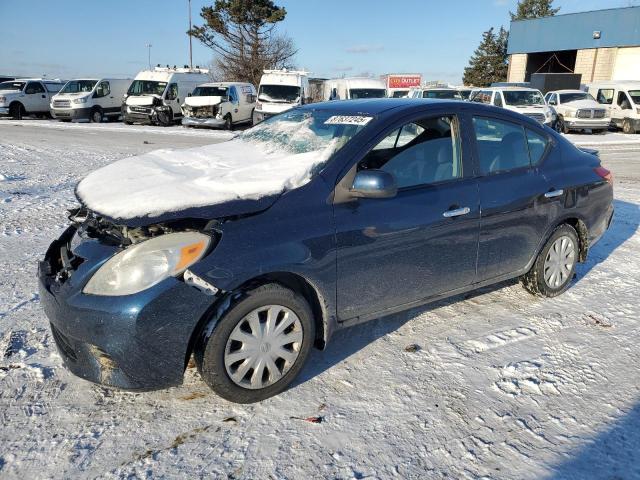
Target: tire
x,y
127,122
212,351
164,119
228,122
252,120
627,126
96,115
17,111
537,280
560,126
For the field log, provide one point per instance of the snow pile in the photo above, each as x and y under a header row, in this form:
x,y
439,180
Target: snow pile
x,y
171,180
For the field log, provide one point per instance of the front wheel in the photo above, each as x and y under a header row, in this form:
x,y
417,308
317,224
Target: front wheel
x,y
228,123
555,266
258,348
560,126
96,116
17,111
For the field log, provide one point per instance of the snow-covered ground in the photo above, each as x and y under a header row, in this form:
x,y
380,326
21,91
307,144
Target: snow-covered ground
x,y
495,384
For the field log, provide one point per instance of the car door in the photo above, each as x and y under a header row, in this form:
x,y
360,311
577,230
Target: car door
x,y
172,98
234,100
422,242
622,106
35,98
606,96
102,96
516,197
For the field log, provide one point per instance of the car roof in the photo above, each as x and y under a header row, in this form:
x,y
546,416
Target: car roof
x,y
567,91
375,106
520,89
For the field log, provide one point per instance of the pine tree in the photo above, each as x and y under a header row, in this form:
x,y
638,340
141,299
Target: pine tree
x,y
534,9
489,61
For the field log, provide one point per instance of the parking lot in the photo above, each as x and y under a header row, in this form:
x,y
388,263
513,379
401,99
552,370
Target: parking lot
x,y
493,384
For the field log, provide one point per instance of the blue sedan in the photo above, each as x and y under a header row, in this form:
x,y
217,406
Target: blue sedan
x,y
409,202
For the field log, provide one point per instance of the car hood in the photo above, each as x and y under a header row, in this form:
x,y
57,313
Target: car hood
x,y
584,104
142,100
236,177
277,107
202,101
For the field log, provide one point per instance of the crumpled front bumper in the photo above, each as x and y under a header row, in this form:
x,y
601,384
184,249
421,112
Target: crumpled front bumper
x,y
133,342
203,122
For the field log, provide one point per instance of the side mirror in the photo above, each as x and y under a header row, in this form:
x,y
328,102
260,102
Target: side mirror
x,y
374,184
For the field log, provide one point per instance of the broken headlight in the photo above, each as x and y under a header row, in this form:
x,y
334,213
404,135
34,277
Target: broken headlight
x,y
147,263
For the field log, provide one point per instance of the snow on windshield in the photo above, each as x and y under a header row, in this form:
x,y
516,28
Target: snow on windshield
x,y
280,154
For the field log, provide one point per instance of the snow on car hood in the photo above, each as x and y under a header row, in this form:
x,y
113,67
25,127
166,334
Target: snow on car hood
x,y
166,181
277,107
202,101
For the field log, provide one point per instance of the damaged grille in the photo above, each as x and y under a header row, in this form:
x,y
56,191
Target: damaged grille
x,y
138,109
203,112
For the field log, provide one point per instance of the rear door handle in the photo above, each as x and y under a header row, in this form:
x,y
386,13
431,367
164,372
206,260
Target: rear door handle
x,y
554,193
457,212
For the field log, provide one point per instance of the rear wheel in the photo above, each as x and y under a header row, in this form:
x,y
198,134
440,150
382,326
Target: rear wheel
x,y
627,126
259,346
555,266
17,111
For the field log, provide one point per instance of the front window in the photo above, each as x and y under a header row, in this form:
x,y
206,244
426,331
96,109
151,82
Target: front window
x,y
572,97
355,93
464,94
522,98
306,131
279,93
441,94
147,87
11,85
79,86
635,96
210,92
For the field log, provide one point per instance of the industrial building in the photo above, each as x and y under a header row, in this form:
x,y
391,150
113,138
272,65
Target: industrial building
x,y
600,45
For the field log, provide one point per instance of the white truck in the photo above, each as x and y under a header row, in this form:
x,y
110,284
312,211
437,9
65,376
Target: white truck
x,y
155,95
26,96
281,90
527,101
220,104
577,110
93,99
354,88
623,100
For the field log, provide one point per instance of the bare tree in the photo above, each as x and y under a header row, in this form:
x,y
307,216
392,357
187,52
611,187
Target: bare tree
x,y
243,36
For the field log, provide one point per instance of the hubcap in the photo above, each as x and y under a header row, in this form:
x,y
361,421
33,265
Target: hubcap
x,y
263,346
559,262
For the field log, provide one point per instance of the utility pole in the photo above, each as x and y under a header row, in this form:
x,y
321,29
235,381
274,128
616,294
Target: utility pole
x,y
190,39
148,45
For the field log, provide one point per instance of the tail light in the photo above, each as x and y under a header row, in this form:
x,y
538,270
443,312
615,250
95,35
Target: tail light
x,y
604,174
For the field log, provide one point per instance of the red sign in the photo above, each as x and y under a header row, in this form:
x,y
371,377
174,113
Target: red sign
x,y
404,81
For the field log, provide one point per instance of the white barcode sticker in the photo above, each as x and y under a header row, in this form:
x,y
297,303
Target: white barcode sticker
x,y
348,120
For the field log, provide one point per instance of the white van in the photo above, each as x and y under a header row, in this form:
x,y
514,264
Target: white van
x,y
155,95
354,88
438,93
26,96
527,101
281,90
623,99
220,104
93,99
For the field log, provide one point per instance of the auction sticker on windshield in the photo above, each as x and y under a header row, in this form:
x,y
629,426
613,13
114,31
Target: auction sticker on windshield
x,y
347,120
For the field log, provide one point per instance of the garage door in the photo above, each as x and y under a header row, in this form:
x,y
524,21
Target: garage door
x,y
627,64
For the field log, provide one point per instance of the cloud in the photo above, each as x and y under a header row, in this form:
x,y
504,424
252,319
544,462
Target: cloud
x,y
364,48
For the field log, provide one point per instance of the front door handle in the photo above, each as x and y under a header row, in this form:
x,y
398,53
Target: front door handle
x,y
554,193
457,212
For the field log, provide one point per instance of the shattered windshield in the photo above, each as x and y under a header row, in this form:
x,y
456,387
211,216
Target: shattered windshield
x,y
355,93
147,87
279,93
305,131
522,98
210,92
11,85
79,86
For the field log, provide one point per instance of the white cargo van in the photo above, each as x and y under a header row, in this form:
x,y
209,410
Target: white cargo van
x,y
93,99
354,88
623,99
26,96
527,101
155,95
220,104
281,90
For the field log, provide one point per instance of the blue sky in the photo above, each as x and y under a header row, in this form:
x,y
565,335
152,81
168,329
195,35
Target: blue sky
x,y
70,38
